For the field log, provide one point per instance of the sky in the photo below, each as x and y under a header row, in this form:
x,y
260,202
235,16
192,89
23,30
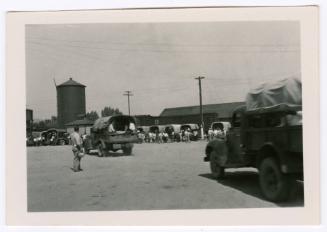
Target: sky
x,y
157,62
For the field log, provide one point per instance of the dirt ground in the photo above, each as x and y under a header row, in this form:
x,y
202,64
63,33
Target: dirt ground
x,y
156,176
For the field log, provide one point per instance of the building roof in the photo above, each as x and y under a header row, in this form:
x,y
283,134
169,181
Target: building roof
x,y
80,122
224,110
71,82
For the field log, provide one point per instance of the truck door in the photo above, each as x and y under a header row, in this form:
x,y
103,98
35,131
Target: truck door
x,y
234,139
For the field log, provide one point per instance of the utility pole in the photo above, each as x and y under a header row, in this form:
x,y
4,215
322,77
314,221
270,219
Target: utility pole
x,y
201,111
128,93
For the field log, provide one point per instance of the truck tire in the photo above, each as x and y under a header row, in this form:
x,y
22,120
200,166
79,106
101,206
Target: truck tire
x,y
274,185
62,142
100,150
127,150
217,170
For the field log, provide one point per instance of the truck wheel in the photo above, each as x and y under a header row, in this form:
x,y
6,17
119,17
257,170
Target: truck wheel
x,y
274,185
216,170
62,142
100,150
127,150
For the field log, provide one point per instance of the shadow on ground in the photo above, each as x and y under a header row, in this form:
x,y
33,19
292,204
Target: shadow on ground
x,y
248,183
109,154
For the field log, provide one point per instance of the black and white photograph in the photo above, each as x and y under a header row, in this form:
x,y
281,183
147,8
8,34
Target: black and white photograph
x,y
185,115
164,116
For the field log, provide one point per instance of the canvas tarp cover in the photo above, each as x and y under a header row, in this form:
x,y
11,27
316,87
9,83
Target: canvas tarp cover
x,y
101,123
287,91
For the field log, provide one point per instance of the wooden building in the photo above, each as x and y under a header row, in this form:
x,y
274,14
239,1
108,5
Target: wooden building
x,y
84,126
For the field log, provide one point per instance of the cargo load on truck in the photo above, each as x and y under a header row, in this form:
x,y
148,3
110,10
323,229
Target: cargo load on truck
x,y
271,94
118,123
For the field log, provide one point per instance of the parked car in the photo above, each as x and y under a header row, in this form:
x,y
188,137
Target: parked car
x,y
173,131
112,133
156,133
221,125
55,137
29,141
38,137
157,128
142,132
218,130
193,128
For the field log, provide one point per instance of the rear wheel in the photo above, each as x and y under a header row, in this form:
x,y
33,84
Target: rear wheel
x,y
127,150
274,185
62,142
216,170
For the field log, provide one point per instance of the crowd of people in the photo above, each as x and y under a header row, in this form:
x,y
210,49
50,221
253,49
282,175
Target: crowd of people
x,y
167,136
182,136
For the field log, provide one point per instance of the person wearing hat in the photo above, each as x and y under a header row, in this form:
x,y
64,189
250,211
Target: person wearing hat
x,y
77,149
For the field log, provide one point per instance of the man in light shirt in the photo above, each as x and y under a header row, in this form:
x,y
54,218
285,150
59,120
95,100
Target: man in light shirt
x,y
77,149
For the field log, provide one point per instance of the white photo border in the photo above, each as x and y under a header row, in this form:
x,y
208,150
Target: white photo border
x,y
309,86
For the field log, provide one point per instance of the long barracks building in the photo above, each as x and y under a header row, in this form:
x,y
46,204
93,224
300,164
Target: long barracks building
x,y
191,114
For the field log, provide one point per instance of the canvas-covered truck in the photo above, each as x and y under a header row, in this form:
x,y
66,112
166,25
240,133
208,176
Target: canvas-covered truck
x,y
112,134
266,133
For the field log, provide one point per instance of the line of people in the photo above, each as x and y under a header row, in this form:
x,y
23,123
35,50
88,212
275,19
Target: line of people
x,y
165,137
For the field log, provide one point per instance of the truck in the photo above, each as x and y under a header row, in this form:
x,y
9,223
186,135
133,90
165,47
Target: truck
x,y
112,133
215,127
267,137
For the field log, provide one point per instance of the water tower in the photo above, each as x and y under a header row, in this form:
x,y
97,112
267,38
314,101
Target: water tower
x,y
70,102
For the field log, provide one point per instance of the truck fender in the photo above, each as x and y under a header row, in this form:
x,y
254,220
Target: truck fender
x,y
213,145
268,150
221,151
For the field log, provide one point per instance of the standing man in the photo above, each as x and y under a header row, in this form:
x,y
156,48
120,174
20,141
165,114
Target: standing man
x,y
77,149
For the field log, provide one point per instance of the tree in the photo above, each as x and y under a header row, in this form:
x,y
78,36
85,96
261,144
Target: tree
x,y
92,115
54,119
39,126
45,124
108,111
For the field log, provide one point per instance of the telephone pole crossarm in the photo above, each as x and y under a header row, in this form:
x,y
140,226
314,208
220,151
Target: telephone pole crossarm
x,y
128,93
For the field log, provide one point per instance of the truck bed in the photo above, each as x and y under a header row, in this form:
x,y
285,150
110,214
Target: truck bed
x,y
121,138
289,138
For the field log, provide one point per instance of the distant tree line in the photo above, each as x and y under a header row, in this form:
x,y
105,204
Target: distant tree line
x,y
45,124
106,111
92,116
